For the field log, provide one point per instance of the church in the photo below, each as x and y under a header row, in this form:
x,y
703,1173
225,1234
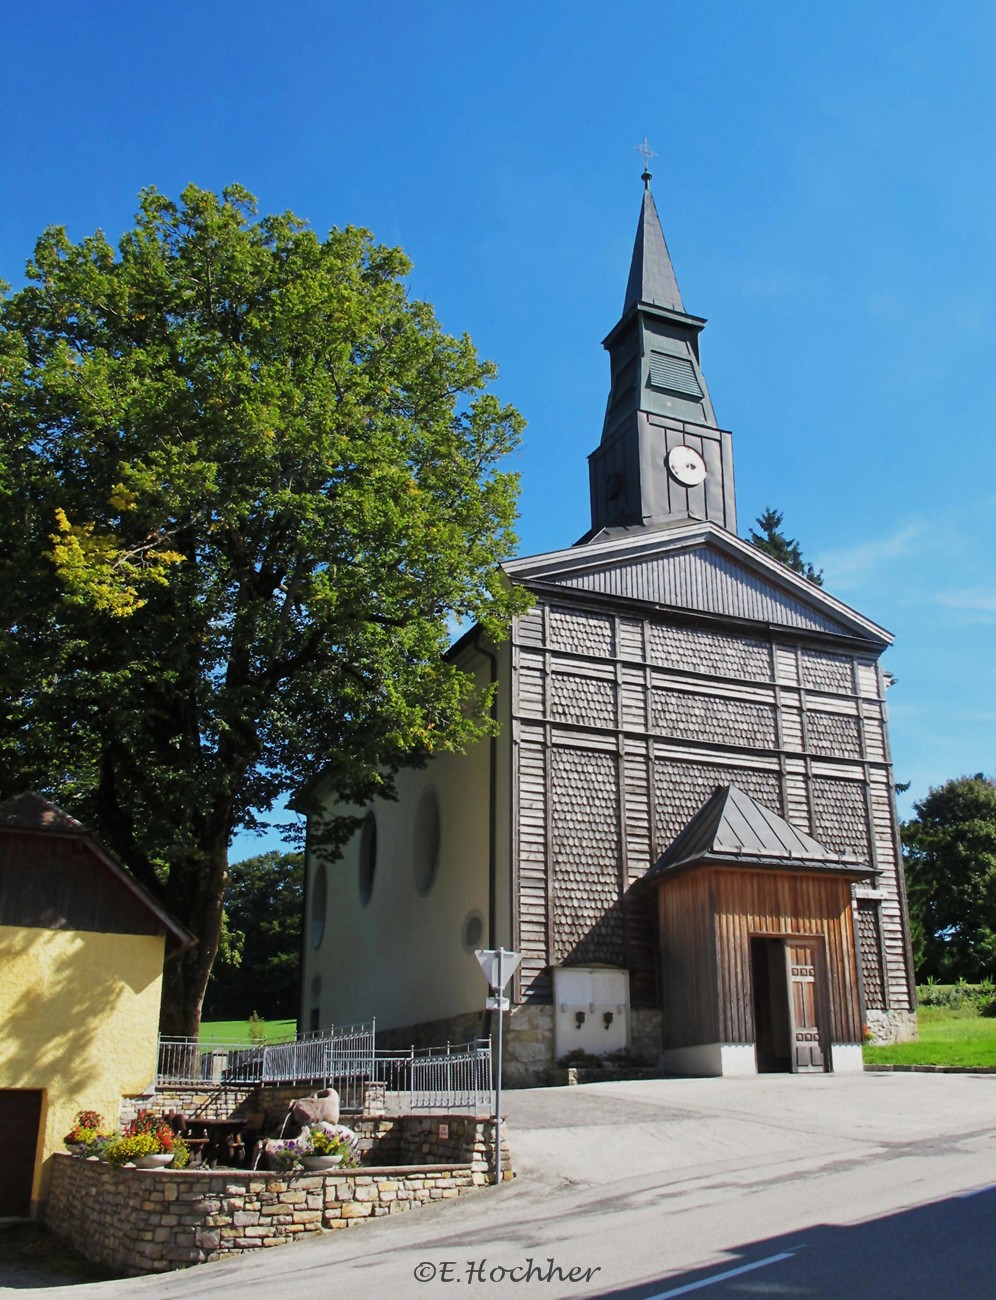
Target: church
x,y
686,824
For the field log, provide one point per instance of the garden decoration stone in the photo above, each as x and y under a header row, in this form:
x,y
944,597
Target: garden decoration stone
x,y
320,1107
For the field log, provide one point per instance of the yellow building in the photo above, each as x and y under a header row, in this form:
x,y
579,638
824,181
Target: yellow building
x,y
81,962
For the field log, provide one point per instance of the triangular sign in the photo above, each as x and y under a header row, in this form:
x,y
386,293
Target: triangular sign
x,y
498,965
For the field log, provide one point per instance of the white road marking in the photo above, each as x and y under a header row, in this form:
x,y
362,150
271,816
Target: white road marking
x,y
721,1277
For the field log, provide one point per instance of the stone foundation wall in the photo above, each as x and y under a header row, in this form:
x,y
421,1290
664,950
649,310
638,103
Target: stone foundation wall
x,y
892,1026
227,1103
221,1103
150,1221
646,1034
430,1033
528,1045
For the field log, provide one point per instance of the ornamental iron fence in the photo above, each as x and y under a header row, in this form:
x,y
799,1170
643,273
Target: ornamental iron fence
x,y
343,1052
454,1077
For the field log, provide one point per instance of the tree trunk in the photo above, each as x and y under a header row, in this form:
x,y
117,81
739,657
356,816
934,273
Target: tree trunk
x,y
195,898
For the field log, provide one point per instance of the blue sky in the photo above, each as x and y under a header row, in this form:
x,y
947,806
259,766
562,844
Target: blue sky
x,y
826,184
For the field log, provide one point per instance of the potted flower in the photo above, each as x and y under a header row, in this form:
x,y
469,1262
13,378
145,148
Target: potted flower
x,y
321,1147
325,1150
148,1142
88,1137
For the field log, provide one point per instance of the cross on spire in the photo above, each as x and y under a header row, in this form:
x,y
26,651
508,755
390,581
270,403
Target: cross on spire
x,y
648,153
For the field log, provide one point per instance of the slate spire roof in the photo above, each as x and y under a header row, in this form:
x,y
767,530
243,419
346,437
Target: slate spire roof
x,y
733,829
651,275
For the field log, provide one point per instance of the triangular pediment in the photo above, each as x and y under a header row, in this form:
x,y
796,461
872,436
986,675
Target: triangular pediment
x,y
700,567
732,829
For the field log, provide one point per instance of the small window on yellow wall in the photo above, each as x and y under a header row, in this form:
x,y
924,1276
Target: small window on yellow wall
x,y
368,858
426,840
319,905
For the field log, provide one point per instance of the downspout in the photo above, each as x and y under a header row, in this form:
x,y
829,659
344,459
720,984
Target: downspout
x,y
492,797
492,811
303,1021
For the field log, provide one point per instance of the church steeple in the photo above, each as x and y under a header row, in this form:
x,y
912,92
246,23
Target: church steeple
x,y
651,275
662,456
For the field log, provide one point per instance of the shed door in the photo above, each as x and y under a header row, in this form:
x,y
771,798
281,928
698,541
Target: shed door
x,y
802,967
20,1112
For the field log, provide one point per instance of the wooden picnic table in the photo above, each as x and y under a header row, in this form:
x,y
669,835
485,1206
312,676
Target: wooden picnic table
x,y
230,1142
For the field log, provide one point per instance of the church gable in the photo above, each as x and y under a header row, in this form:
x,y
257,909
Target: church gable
x,y
700,568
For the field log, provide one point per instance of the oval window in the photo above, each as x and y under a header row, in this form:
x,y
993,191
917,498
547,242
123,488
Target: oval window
x,y
426,840
473,931
368,858
319,905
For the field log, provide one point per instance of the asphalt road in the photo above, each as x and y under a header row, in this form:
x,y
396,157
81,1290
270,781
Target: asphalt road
x,y
830,1186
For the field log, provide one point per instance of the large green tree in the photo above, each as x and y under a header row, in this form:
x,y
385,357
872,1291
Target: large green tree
x,y
246,484
259,965
768,537
949,848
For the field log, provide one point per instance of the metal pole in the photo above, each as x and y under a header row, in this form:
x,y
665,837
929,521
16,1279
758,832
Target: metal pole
x,y
501,1017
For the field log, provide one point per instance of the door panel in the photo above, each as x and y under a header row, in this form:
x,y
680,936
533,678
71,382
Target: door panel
x,y
802,964
20,1112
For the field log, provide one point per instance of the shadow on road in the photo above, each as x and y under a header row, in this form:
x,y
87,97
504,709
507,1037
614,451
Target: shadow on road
x,y
938,1251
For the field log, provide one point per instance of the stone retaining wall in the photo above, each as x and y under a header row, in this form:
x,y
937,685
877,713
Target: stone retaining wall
x,y
220,1103
148,1221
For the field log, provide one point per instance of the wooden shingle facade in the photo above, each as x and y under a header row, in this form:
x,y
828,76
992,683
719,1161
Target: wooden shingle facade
x,y
664,661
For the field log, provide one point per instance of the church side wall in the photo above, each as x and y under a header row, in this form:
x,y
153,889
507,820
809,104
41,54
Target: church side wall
x,y
402,955
622,728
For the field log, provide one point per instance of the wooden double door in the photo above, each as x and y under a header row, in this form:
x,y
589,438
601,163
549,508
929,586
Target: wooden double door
x,y
790,1004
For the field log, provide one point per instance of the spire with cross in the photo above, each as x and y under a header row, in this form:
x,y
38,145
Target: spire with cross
x,y
662,455
648,153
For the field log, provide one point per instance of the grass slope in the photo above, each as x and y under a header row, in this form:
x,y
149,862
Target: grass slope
x,y
235,1033
948,1036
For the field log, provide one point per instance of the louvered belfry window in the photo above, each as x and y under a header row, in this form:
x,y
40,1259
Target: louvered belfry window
x,y
675,375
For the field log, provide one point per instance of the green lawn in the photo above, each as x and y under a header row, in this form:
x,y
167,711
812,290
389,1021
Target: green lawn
x,y
235,1032
948,1036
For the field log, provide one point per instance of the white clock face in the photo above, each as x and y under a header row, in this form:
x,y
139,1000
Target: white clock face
x,y
686,465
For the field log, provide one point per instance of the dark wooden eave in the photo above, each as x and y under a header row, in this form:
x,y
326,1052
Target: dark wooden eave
x,y
32,814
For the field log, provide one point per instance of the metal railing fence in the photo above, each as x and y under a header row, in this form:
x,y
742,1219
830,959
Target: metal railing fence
x,y
343,1052
454,1077
437,1078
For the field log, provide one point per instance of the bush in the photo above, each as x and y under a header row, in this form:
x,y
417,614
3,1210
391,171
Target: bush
x,y
953,995
582,1059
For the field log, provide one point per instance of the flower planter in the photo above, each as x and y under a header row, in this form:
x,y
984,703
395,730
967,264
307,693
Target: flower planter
x,y
158,1161
320,1162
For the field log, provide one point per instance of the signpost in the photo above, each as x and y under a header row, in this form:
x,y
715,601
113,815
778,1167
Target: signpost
x,y
499,966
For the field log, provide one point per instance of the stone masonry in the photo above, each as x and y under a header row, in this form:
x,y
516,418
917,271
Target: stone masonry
x,y
149,1221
